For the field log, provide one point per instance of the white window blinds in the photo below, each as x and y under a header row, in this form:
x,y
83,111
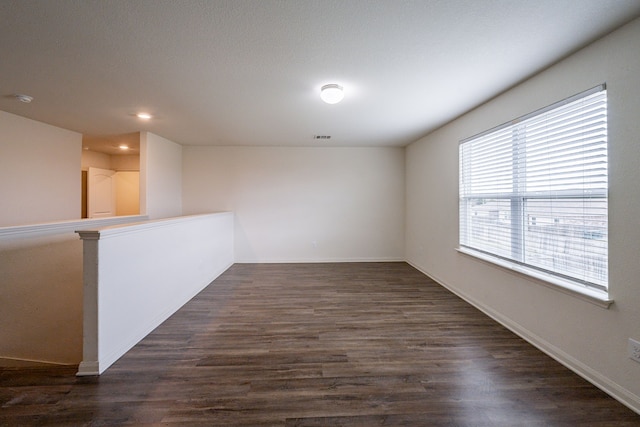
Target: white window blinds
x,y
534,191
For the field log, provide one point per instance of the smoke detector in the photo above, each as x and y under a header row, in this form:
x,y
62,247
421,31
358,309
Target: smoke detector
x,y
23,98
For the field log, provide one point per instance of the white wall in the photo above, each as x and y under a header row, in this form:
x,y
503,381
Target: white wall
x,y
136,276
160,176
40,177
302,204
590,339
41,290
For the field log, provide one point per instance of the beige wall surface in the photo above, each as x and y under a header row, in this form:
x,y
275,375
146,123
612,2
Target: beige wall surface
x,y
590,339
160,176
302,204
127,162
127,193
39,172
41,297
127,178
94,159
41,290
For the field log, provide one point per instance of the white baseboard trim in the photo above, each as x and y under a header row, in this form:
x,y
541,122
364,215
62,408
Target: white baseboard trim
x,y
621,394
314,260
88,368
20,361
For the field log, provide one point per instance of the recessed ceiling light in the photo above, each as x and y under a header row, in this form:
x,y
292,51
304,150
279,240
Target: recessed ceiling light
x,y
144,116
331,93
123,147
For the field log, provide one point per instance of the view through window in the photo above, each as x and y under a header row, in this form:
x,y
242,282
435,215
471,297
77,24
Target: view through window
x,y
534,191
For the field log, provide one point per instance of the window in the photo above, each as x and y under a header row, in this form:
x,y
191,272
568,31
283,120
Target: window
x,y
534,191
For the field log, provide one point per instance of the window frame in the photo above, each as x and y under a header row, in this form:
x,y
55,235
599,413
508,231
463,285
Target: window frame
x,y
518,199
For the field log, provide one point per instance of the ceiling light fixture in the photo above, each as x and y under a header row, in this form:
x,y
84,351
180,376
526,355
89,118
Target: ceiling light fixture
x,y
331,93
144,116
23,98
123,147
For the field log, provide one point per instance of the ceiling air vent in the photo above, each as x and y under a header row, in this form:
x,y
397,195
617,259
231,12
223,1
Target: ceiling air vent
x,y
321,136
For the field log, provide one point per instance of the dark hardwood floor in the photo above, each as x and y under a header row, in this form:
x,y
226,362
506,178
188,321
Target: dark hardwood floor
x,y
318,345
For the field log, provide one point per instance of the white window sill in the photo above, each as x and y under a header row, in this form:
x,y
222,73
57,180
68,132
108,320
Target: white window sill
x,y
594,296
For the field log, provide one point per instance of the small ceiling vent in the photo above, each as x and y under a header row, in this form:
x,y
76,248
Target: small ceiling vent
x,y
321,136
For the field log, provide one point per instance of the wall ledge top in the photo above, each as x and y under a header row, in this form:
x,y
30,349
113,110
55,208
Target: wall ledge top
x,y
134,227
59,227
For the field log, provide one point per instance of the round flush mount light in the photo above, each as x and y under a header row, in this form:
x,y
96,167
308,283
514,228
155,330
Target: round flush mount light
x,y
331,93
23,98
144,116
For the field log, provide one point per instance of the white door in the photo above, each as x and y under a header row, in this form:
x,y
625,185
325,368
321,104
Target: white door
x,y
101,193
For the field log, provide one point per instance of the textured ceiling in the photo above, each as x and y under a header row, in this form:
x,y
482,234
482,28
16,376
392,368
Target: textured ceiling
x,y
249,72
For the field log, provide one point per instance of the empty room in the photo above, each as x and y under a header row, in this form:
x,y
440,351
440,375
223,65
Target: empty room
x,y
312,213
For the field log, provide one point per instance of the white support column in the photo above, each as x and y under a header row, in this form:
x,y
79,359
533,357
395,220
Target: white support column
x,y
90,364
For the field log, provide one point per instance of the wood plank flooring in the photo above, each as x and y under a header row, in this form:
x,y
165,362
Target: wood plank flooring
x,y
364,344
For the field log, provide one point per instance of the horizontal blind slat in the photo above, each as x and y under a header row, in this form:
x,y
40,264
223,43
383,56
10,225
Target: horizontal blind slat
x,y
534,191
